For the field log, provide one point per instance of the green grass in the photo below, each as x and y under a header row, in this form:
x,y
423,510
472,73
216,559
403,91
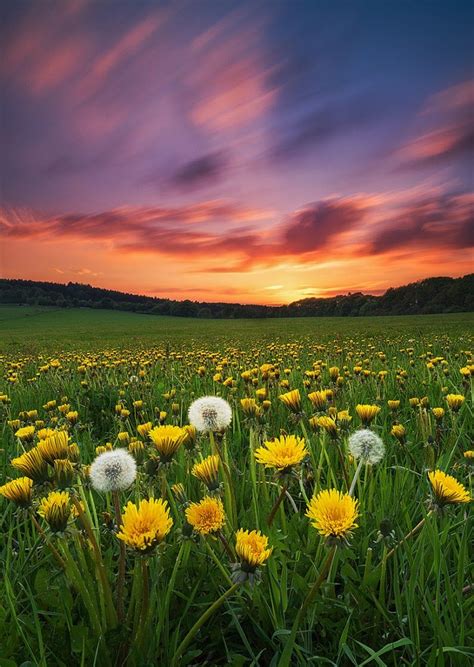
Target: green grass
x,y
33,328
376,609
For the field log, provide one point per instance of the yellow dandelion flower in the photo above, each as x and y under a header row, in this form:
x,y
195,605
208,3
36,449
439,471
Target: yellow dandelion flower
x,y
73,452
207,516
145,526
18,491
438,413
367,413
455,401
190,436
54,447
292,400
282,453
63,473
72,416
207,470
393,405
447,489
26,433
318,399
56,510
333,513
167,440
180,492
252,548
249,406
144,429
469,454
32,464
44,433
328,424
344,418
399,432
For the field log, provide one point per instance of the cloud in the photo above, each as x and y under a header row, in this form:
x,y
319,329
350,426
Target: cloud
x,y
223,237
203,171
316,225
333,118
451,136
443,222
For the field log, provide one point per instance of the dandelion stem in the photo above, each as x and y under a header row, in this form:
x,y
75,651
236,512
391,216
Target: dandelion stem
x,y
288,650
356,476
412,532
200,622
48,543
343,464
121,567
277,504
226,546
111,614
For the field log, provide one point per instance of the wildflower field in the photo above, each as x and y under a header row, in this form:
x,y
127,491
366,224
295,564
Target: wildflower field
x,y
188,492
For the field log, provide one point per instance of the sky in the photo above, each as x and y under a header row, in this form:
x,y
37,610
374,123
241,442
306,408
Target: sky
x,y
253,152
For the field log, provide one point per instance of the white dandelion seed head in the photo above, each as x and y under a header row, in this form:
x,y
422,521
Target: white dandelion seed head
x,y
210,413
367,445
113,471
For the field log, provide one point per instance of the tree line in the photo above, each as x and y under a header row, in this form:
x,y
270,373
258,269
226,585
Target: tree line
x,y
432,295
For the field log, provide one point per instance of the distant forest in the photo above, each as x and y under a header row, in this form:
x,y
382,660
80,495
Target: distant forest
x,y
433,295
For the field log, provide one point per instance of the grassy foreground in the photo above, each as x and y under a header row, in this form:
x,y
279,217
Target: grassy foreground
x,y
396,591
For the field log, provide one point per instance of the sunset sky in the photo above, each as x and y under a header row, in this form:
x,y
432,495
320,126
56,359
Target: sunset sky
x,y
259,152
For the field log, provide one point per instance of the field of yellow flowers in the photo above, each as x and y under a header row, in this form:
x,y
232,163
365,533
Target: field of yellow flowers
x,y
239,502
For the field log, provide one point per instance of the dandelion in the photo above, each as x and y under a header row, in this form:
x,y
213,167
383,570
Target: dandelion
x,y
191,436
249,407
367,413
32,464
318,399
292,400
207,516
145,526
210,413
333,514
113,471
167,440
366,445
328,424
63,473
399,432
26,433
45,433
137,450
446,489
455,401
72,416
54,447
56,510
207,470
438,414
252,548
180,493
282,453
18,491
144,429
393,405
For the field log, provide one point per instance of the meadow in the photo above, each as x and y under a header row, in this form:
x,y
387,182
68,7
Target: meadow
x,y
317,515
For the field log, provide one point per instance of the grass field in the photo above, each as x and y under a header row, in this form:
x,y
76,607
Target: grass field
x,y
378,575
36,328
